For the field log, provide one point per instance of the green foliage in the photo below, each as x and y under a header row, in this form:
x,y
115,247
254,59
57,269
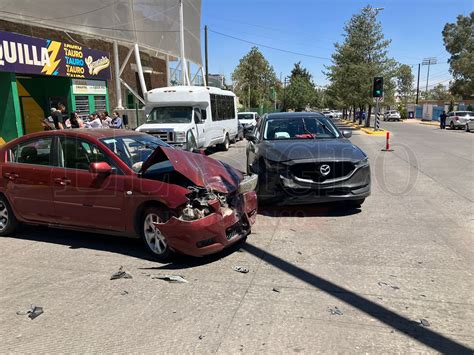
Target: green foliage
x,y
300,92
469,108
362,56
405,81
451,106
458,40
438,93
254,79
403,111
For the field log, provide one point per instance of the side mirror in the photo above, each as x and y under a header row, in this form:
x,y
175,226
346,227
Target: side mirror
x,y
250,137
347,134
100,168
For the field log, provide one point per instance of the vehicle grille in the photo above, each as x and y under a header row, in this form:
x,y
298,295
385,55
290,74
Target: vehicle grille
x,y
311,171
163,135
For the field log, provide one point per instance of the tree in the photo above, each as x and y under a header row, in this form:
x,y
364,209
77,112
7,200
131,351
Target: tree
x,y
458,40
405,80
301,91
361,57
254,79
439,93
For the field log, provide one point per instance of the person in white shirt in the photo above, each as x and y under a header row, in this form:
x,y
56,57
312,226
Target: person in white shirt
x,y
106,119
94,121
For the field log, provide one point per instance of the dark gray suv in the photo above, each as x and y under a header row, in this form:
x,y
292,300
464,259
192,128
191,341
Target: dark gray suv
x,y
302,157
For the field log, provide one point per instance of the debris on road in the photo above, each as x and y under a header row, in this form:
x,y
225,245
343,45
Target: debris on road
x,y
201,337
172,278
124,292
300,253
32,312
241,269
276,290
424,323
385,284
121,274
335,311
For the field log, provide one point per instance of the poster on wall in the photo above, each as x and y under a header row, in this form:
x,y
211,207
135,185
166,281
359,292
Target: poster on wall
x,y
32,55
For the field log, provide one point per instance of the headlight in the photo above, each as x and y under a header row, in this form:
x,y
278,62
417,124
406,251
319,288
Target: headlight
x,y
180,136
362,163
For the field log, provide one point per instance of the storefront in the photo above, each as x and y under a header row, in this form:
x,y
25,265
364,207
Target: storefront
x,y
36,74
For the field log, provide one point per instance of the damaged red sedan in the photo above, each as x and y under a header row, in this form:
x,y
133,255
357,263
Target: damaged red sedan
x,y
125,183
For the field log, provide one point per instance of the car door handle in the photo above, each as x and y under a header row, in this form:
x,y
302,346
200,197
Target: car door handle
x,y
11,176
62,181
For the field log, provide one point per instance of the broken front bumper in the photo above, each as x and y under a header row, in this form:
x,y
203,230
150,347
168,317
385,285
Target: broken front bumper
x,y
212,233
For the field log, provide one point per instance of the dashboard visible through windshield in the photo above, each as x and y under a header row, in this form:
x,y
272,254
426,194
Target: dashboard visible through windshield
x,y
170,114
299,128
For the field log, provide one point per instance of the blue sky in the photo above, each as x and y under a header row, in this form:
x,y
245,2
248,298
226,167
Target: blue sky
x,y
313,26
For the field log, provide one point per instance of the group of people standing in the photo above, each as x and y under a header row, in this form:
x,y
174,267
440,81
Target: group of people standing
x,y
57,120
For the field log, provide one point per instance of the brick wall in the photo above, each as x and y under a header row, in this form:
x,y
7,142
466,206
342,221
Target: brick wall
x,y
158,65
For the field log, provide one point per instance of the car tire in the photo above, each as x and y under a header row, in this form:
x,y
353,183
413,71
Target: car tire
x,y
356,203
8,222
466,128
451,126
226,145
154,241
191,145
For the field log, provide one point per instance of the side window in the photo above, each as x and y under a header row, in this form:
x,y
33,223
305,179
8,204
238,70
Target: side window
x,y
214,107
78,154
36,152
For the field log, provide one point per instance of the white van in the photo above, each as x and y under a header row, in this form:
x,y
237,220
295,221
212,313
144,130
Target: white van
x,y
191,117
248,120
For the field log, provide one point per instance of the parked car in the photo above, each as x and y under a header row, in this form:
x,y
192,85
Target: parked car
x,y
248,120
459,119
328,114
304,158
392,115
125,183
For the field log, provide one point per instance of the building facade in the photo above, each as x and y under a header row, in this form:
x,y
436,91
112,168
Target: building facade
x,y
41,67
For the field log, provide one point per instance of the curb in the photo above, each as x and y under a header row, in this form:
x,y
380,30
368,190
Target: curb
x,y
429,123
369,131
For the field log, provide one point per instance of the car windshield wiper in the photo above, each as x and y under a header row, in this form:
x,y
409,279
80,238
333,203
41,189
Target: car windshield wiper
x,y
313,135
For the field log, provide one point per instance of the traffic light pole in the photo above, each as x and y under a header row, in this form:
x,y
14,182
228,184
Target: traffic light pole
x,y
377,121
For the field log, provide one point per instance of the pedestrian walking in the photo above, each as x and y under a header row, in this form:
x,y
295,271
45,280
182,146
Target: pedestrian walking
x,y
116,121
442,120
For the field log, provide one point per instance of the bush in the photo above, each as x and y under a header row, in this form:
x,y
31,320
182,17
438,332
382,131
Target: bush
x,y
469,108
403,112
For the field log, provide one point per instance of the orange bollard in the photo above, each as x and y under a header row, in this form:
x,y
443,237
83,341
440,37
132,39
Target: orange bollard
x,y
387,143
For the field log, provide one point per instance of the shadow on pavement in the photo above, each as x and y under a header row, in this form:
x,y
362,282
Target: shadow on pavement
x,y
409,327
335,209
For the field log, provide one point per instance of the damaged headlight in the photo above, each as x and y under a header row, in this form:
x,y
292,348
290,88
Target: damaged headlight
x,y
249,183
202,203
362,163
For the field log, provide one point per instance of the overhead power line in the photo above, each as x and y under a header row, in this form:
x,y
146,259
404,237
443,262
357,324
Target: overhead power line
x,y
269,47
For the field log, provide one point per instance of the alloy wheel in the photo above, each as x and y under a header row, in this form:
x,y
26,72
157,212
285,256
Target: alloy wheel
x,y
155,240
3,216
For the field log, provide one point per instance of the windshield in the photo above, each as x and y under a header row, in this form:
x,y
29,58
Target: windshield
x,y
299,128
170,114
133,150
245,116
465,113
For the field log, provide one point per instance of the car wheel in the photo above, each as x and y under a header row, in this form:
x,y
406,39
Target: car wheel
x,y
154,240
8,222
226,145
451,126
356,203
467,128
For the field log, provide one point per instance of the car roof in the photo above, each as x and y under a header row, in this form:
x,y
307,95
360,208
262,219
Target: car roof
x,y
83,133
278,115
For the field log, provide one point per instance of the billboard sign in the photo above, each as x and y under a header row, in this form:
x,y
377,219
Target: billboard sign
x,y
31,55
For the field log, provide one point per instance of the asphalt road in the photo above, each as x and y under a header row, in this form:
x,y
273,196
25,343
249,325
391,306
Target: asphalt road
x,y
322,278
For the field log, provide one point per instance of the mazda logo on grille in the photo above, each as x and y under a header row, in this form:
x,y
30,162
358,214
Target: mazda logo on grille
x,y
324,169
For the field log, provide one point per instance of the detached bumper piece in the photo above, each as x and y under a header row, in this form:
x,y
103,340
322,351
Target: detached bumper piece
x,y
213,232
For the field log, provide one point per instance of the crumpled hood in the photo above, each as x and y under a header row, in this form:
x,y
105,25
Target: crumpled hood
x,y
200,169
311,149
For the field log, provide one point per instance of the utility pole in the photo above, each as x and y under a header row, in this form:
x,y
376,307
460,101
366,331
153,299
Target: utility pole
x,y
428,62
418,84
206,57
184,67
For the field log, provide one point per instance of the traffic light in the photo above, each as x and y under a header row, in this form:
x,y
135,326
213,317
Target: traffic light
x,y
378,87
